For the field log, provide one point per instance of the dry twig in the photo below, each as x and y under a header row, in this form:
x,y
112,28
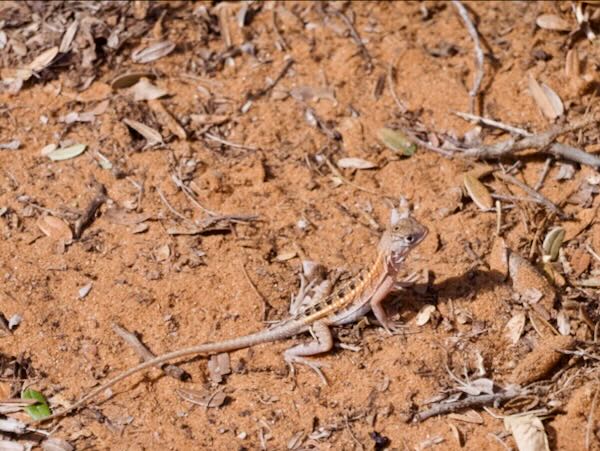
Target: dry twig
x,y
356,37
391,83
132,340
536,196
462,11
261,92
88,214
471,401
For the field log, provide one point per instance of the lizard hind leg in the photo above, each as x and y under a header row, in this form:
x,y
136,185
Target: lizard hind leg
x,y
323,342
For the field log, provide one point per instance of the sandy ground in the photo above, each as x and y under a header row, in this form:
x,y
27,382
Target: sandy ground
x,y
178,289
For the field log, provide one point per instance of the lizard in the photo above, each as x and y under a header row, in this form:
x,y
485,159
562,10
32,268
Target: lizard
x,y
363,294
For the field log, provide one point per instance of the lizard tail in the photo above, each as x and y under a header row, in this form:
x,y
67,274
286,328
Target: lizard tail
x,y
264,336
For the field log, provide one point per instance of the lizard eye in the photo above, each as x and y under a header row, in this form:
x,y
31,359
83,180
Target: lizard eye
x,y
409,238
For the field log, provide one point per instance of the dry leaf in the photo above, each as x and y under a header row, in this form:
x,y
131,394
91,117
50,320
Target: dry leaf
x,y
129,79
56,444
546,99
468,417
64,153
309,93
515,326
202,399
553,22
152,136
153,52
85,290
43,60
572,65
563,323
424,315
123,217
55,228
144,90
11,145
478,386
162,253
140,228
12,425
478,192
285,256
68,36
167,118
355,163
528,432
209,119
219,366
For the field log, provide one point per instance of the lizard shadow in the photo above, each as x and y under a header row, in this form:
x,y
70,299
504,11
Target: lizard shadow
x,y
466,286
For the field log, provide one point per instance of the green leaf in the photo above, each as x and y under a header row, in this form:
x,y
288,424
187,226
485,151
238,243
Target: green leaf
x,y
396,141
39,410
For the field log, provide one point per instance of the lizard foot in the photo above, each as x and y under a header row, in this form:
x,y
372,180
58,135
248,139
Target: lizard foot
x,y
407,282
315,365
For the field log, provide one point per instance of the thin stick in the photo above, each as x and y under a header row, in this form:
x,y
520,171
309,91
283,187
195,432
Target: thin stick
x,y
261,92
391,81
492,123
282,42
356,37
191,195
169,206
498,217
264,301
462,11
140,348
590,249
228,143
90,211
414,138
542,141
533,193
543,175
471,401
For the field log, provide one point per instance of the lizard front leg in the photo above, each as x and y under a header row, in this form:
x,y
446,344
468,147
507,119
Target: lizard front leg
x,y
377,307
323,343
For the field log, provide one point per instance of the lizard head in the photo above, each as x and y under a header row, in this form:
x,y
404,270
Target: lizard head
x,y
404,233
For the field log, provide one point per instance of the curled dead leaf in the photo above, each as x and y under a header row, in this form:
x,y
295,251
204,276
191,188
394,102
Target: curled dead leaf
x,y
152,136
152,52
552,243
424,315
478,192
528,432
144,90
43,60
166,117
129,79
515,326
546,99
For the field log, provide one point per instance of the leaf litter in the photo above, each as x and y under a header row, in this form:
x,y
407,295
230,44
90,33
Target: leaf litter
x,y
208,67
